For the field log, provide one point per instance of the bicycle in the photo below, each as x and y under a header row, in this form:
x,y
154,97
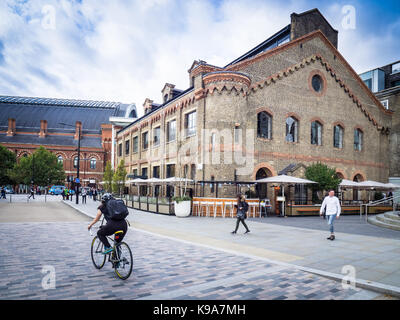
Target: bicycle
x,y
120,256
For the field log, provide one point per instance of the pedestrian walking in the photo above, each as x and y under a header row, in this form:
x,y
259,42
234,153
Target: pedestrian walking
x,y
32,193
70,194
83,195
242,207
3,193
331,206
94,194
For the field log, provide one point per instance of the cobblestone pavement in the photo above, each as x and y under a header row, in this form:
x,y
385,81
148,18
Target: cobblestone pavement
x,y
163,269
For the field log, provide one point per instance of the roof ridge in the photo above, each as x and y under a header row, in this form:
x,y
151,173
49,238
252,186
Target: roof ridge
x,y
59,102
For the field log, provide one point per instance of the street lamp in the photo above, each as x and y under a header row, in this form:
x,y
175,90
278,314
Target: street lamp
x,y
79,154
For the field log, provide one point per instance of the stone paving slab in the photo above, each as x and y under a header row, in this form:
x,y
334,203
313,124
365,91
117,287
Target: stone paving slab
x,y
163,268
304,248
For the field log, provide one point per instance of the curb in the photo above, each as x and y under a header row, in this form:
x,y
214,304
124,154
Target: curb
x,y
359,283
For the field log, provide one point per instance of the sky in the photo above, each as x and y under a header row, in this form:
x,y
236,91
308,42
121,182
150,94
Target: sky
x,y
125,51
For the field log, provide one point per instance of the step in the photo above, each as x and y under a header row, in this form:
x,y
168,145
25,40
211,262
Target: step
x,y
392,215
378,223
384,219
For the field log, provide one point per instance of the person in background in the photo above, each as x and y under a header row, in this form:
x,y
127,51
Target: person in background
x,y
83,195
242,208
32,193
331,206
3,193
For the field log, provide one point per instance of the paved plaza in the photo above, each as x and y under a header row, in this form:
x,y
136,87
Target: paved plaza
x,y
177,258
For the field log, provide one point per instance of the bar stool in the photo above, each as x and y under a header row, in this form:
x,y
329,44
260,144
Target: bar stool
x,y
210,206
252,208
218,204
202,204
230,206
196,204
207,205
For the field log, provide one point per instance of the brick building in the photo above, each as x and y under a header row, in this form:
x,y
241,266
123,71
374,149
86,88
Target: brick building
x,y
291,101
27,123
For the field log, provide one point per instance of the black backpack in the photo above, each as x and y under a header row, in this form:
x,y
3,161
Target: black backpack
x,y
117,209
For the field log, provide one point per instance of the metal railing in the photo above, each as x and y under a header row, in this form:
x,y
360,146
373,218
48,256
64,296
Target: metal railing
x,y
376,203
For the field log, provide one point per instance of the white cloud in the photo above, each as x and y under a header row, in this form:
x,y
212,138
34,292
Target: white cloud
x,y
126,50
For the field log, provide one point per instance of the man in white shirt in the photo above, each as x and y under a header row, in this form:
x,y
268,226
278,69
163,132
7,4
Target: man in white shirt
x,y
333,209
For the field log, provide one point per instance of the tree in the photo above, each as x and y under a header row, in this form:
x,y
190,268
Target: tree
x,y
7,161
119,178
325,177
42,167
108,177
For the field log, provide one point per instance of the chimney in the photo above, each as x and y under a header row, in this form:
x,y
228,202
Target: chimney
x,y
147,105
11,127
43,129
78,126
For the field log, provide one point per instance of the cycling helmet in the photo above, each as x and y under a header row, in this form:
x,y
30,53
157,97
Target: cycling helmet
x,y
105,197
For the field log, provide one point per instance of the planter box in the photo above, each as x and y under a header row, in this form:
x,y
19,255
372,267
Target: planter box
x,y
182,209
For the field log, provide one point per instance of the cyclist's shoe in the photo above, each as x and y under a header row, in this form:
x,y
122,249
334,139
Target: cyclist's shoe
x,y
107,250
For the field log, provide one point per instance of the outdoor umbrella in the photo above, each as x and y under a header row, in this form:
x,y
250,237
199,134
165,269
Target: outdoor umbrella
x,y
391,186
173,180
284,179
369,184
348,183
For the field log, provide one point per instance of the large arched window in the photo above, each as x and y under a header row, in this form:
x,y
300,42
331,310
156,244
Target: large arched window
x,y
316,133
264,125
338,136
292,126
60,159
93,163
358,139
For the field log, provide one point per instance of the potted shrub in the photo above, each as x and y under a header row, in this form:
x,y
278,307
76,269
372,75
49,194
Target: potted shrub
x,y
182,205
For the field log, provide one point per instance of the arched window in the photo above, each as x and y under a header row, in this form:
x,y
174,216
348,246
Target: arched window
x,y
93,163
76,162
316,133
358,139
292,129
264,125
338,136
60,159
317,83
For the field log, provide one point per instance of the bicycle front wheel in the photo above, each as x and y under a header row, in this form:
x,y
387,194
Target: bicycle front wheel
x,y
124,261
96,250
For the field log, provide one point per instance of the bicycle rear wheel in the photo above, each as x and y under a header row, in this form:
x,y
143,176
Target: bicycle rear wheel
x,y
123,265
96,250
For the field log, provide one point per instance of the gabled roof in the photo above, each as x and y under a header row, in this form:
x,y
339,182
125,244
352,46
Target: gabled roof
x,y
312,59
29,111
263,55
263,46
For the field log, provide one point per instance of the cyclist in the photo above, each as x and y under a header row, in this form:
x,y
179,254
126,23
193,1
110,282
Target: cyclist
x,y
110,227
